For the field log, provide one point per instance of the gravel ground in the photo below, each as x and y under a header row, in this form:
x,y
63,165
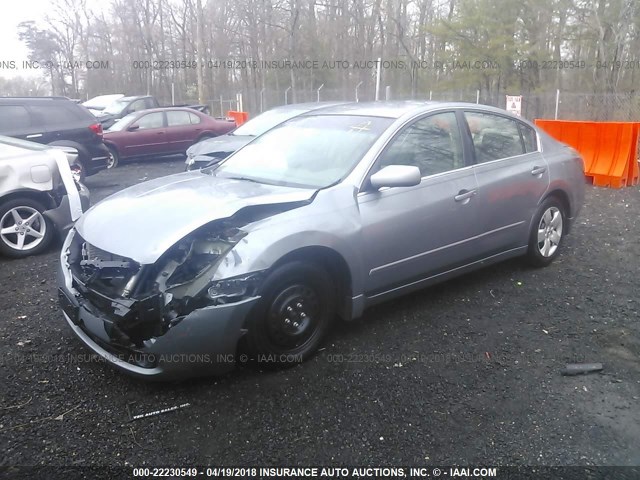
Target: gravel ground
x,y
467,372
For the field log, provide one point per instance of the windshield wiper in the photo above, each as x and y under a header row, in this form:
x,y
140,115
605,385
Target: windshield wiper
x,y
244,178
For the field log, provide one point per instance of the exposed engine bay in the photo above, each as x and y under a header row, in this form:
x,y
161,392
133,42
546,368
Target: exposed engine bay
x,y
145,301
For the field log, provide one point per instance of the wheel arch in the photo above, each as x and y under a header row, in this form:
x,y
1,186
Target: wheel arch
x,y
336,267
36,195
564,199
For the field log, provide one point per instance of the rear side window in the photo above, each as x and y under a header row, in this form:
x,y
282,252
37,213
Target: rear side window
x,y
494,136
195,119
54,114
152,120
13,117
177,118
530,138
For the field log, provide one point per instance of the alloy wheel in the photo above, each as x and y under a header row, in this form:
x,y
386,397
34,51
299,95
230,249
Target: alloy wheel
x,y
23,228
549,232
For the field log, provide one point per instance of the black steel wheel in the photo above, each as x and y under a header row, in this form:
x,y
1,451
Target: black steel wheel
x,y
294,313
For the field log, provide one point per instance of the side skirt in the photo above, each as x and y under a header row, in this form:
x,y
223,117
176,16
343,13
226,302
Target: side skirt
x,y
361,302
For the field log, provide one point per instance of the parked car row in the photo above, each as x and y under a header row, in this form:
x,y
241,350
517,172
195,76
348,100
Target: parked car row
x,y
161,131
332,211
109,111
133,127
35,131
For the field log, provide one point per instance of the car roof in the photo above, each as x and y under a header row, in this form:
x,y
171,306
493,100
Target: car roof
x,y
169,109
133,97
306,106
33,99
398,108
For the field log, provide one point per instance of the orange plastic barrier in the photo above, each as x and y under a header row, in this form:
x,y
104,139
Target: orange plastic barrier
x,y
609,149
239,117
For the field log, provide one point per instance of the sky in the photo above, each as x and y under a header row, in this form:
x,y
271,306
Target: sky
x,y
14,12
11,48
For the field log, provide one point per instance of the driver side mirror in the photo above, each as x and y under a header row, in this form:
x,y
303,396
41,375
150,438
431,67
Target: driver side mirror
x,y
133,128
396,176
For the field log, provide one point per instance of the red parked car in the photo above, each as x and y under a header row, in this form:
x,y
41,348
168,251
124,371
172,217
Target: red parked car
x,y
161,131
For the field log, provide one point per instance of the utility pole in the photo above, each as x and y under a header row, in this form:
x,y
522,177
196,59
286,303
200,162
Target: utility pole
x,y
200,47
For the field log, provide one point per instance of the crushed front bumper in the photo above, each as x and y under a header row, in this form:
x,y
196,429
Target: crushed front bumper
x,y
204,342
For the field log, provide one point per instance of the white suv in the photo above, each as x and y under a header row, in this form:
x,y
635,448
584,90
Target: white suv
x,y
38,196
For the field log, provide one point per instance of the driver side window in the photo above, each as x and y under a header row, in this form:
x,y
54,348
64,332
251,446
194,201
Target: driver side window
x,y
433,144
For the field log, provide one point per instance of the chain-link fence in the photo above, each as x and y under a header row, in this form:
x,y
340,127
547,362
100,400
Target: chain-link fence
x,y
561,105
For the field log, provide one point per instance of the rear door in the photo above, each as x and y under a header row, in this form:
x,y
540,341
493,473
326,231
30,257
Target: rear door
x,y
16,121
182,134
150,138
410,233
63,120
512,177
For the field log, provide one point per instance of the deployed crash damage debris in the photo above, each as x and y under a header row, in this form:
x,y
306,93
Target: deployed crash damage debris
x,y
141,302
572,369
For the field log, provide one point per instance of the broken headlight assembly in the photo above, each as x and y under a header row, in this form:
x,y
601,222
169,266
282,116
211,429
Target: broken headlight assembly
x,y
192,257
235,288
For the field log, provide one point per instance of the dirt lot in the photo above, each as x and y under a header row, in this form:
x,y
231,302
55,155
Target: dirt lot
x,y
467,372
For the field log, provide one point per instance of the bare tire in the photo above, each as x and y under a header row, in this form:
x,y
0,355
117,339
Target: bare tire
x,y
24,230
547,233
294,313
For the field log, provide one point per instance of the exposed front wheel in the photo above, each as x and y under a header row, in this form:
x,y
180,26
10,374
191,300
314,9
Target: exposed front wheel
x,y
547,233
294,313
23,228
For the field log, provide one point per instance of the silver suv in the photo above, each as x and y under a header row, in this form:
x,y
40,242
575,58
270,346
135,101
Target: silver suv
x,y
38,196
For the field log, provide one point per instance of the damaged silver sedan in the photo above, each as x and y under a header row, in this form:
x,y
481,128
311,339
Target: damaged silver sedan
x,y
319,218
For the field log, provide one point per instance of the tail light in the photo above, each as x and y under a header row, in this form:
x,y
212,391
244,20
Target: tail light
x,y
96,128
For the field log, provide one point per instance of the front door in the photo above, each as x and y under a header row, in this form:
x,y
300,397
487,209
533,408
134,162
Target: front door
x,y
150,138
411,233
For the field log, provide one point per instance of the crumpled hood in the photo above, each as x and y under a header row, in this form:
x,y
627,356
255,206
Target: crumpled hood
x,y
143,221
221,144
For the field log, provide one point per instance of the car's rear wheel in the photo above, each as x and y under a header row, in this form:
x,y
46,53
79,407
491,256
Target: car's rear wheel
x,y
23,228
114,158
294,313
546,233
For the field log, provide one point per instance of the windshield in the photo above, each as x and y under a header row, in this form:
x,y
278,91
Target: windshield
x,y
266,121
116,107
307,152
122,123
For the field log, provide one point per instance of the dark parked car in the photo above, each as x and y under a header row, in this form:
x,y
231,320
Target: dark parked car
x,y
161,131
321,217
123,106
56,121
215,149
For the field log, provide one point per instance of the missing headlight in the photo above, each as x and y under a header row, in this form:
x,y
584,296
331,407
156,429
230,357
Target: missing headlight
x,y
196,254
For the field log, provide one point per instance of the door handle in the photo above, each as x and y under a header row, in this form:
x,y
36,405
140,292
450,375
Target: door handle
x,y
34,135
538,171
465,195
